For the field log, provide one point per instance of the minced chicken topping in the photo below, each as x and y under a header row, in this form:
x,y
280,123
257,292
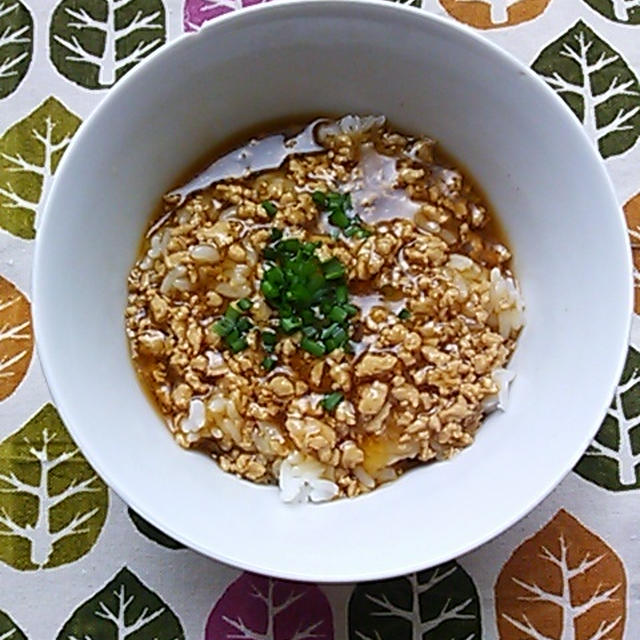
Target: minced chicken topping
x,y
329,323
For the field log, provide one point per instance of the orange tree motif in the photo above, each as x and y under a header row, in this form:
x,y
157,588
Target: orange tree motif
x,y
564,583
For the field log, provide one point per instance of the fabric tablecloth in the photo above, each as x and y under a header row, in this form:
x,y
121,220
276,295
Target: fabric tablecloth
x,y
77,564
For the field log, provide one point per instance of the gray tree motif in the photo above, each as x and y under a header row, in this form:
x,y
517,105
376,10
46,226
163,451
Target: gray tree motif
x,y
498,9
621,8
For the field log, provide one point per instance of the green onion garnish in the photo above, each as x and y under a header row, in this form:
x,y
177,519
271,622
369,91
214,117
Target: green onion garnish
x,y
332,400
338,314
405,314
269,208
269,338
234,325
310,296
337,205
290,324
238,344
319,198
223,327
314,347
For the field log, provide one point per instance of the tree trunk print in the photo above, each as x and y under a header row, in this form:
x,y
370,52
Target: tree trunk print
x,y
8,629
30,151
497,8
613,458
429,605
94,42
259,608
489,14
625,11
597,84
621,8
50,498
16,337
16,44
564,583
123,608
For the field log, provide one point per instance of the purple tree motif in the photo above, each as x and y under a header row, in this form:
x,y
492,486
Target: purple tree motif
x,y
259,608
197,12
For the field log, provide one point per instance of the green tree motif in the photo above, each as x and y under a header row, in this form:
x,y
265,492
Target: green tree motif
x,y
153,533
123,608
95,42
30,152
613,458
52,503
8,629
627,11
598,85
16,44
430,605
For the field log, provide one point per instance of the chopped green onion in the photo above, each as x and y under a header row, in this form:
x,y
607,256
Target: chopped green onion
x,y
309,296
276,234
330,331
232,313
350,309
290,324
310,331
244,304
338,314
405,314
362,232
339,219
223,327
319,198
269,208
310,247
333,269
269,290
238,344
275,275
270,253
244,324
332,400
268,363
314,347
269,338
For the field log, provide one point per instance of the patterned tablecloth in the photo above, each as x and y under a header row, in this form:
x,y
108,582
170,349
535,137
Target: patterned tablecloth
x,y
77,564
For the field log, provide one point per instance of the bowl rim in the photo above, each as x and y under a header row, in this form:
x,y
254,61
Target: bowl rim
x,y
271,10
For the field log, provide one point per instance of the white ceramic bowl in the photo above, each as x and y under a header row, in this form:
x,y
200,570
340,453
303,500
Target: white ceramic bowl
x,y
429,76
